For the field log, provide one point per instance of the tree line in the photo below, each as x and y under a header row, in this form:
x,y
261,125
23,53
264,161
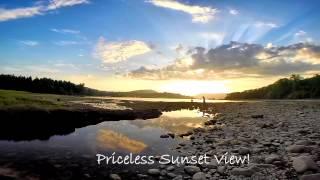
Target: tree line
x,y
50,86
295,87
44,85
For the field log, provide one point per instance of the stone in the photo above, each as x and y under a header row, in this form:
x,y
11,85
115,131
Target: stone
x,y
164,136
172,135
221,169
154,172
242,172
163,172
170,168
304,163
297,149
273,157
257,116
243,151
304,142
199,176
310,177
171,175
179,177
191,169
115,177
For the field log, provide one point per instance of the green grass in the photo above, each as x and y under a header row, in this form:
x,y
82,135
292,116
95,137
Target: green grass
x,y
10,98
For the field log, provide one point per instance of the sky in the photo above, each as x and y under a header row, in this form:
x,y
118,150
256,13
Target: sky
x,y
183,46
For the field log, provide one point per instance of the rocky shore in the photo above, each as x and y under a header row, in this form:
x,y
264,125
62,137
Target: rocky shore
x,y
282,139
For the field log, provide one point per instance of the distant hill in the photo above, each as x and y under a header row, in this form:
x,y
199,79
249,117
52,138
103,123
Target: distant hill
x,y
212,95
50,86
147,94
294,87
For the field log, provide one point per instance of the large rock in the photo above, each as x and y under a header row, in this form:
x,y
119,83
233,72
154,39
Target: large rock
x,y
310,177
304,163
242,171
199,176
191,169
298,148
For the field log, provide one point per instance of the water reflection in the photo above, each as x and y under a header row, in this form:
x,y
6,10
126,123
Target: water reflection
x,y
118,142
177,122
136,136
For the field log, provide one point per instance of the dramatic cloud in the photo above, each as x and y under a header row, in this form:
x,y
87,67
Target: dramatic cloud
x,y
29,43
199,14
11,14
55,4
113,52
236,60
65,31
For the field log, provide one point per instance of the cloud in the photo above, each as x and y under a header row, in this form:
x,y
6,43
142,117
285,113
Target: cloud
x,y
200,14
114,52
24,12
233,11
55,4
10,14
29,43
236,60
65,31
262,24
300,33
67,43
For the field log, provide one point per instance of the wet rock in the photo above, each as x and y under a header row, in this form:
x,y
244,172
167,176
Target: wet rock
x,y
199,176
304,163
164,136
191,169
310,177
172,135
115,177
242,172
256,116
154,172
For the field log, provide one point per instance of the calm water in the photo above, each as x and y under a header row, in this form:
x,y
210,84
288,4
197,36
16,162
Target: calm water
x,y
163,99
122,137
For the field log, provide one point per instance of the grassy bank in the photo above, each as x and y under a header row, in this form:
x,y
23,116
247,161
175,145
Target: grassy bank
x,y
12,99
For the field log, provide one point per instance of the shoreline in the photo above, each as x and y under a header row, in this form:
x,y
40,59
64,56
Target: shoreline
x,y
279,136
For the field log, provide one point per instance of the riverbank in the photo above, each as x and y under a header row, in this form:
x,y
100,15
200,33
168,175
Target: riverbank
x,y
282,139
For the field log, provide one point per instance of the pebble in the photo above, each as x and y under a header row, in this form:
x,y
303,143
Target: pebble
x,y
242,171
154,172
310,177
191,169
115,177
199,176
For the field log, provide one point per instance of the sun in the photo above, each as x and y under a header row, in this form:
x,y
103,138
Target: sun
x,y
191,88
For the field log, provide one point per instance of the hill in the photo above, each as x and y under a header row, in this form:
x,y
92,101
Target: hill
x,y
294,87
50,86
